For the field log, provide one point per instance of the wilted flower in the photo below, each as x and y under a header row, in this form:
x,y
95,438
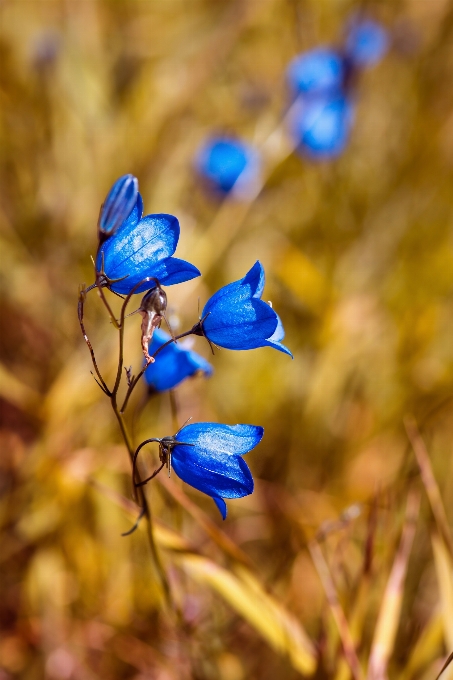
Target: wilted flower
x,y
208,456
174,364
118,205
321,125
236,318
142,247
226,163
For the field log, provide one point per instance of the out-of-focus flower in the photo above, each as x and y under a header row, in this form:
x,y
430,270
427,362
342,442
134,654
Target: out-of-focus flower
x,y
208,456
321,125
322,80
236,318
228,164
318,71
140,248
174,364
118,205
366,42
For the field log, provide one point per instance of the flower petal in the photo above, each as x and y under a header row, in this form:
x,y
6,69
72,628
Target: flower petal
x,y
251,285
274,340
224,475
173,364
217,438
118,204
137,246
237,324
321,125
221,505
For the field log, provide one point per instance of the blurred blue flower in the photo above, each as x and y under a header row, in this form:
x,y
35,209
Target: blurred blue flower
x,y
142,247
226,163
236,318
366,42
173,364
210,459
118,205
321,125
318,71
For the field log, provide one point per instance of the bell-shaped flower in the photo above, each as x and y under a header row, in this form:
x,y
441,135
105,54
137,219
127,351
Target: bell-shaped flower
x,y
118,205
321,125
321,70
236,318
366,42
209,458
227,164
173,364
142,247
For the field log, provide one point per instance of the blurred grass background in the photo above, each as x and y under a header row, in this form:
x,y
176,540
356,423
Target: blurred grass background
x,y
319,571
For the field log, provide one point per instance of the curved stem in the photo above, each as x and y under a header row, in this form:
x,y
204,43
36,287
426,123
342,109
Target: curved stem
x,y
80,310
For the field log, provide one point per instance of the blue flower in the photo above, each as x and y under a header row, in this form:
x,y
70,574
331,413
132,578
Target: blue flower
x,y
142,247
209,458
318,71
227,163
118,205
366,42
236,318
321,125
173,364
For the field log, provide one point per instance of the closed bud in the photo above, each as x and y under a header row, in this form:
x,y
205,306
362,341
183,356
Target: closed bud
x,y
118,205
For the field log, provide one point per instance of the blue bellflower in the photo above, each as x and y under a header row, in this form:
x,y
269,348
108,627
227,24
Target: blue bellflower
x,y
173,364
118,205
142,247
366,42
318,71
321,125
236,318
226,164
209,458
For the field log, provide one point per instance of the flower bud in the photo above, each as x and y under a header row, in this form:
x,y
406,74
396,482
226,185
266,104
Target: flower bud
x,y
118,205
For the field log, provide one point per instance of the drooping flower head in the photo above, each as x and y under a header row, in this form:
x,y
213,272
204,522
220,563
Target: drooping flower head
x,y
173,364
236,318
118,205
226,163
208,456
321,125
143,247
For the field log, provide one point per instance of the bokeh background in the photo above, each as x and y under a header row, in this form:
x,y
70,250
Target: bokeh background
x,y
318,573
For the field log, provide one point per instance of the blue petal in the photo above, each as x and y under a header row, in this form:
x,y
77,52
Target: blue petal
x,y
366,42
240,325
321,125
173,364
224,475
320,70
217,438
274,340
221,505
118,205
167,272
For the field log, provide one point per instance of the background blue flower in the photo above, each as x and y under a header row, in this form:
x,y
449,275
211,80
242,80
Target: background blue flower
x,y
321,125
236,318
173,364
318,71
226,162
366,43
118,205
214,463
142,247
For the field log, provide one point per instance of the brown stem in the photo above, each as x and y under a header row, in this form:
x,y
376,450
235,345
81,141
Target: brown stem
x,y
80,309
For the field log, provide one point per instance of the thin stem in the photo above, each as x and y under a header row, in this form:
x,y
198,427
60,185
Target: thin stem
x,y
104,299
80,310
139,375
148,479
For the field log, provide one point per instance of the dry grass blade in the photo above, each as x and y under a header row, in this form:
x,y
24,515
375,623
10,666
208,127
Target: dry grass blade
x,y
429,481
447,670
390,611
444,572
337,611
268,618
